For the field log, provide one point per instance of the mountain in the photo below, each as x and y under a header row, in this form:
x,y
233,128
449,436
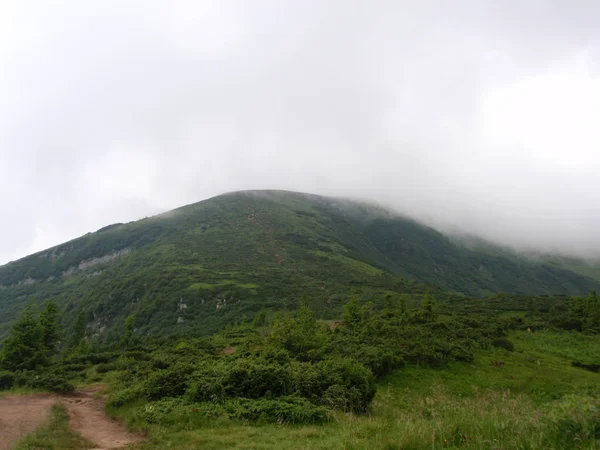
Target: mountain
x,y
588,268
204,265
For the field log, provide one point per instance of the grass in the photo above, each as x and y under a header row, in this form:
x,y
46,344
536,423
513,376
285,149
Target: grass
x,y
56,435
537,400
574,346
21,391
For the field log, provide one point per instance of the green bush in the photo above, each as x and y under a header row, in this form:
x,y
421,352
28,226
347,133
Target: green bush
x,y
171,382
125,396
282,410
352,382
244,377
106,367
590,367
503,343
72,368
7,380
255,378
49,381
381,361
164,412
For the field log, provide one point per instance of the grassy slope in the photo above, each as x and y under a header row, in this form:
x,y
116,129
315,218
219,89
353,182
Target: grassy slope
x,y
589,269
524,404
207,264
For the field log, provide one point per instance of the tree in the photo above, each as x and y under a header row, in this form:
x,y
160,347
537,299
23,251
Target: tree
x,y
358,316
51,329
353,312
425,314
128,338
428,307
389,305
301,335
78,335
260,320
592,313
24,348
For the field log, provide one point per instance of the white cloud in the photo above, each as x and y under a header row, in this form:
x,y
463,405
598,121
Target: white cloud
x,y
473,115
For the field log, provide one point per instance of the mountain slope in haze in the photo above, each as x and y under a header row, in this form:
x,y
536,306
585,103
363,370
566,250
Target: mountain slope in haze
x,y
588,268
201,266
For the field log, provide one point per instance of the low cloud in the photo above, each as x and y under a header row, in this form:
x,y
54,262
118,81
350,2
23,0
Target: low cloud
x,y
473,117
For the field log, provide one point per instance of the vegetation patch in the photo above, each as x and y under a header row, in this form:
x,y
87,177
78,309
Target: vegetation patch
x,y
56,435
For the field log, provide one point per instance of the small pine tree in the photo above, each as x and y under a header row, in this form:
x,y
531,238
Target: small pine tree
x,y
24,348
78,335
402,305
260,320
128,338
389,304
428,308
353,312
592,313
51,329
302,335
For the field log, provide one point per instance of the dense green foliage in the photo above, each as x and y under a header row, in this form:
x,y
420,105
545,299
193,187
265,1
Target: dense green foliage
x,y
305,322
24,349
296,370
379,365
203,266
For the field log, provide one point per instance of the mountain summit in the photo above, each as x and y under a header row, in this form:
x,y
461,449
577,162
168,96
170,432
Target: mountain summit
x,y
206,264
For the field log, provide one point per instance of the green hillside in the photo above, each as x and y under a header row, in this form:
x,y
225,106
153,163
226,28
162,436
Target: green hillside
x,y
202,266
583,267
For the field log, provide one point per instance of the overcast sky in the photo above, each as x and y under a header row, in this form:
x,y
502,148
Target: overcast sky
x,y
473,115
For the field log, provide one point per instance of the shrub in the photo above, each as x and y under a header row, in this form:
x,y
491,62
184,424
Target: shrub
x,y
125,396
50,381
340,383
72,368
207,384
379,360
503,343
255,378
171,382
243,377
164,412
283,410
106,367
7,380
590,367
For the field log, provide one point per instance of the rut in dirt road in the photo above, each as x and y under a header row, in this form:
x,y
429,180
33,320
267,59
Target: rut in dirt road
x,y
87,417
22,414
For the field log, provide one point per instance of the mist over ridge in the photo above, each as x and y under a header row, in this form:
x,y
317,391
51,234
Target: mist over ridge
x,y
474,118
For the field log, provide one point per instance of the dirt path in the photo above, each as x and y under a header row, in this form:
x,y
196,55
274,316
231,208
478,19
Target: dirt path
x,y
87,417
20,415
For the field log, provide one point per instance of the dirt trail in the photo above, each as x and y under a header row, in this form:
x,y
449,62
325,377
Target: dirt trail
x,y
87,417
20,415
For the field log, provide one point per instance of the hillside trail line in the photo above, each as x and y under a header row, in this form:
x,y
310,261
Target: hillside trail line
x,y
21,415
87,417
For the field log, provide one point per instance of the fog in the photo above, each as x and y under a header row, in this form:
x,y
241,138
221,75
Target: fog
x,y
475,117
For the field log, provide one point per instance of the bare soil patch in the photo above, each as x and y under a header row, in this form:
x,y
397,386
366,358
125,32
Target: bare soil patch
x,y
22,414
87,417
